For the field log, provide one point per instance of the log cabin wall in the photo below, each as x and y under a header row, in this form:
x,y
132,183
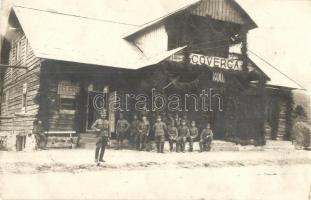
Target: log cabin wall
x,y
279,114
20,88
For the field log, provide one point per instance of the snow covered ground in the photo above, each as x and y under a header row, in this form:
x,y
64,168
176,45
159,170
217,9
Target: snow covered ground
x,y
72,174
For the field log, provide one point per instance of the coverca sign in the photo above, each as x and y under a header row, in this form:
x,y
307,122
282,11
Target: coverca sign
x,y
212,61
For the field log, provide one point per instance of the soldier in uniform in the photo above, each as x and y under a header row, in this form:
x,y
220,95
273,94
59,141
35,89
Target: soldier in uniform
x,y
41,138
121,129
193,134
183,134
143,133
172,135
177,120
159,129
185,118
134,130
101,126
170,120
206,138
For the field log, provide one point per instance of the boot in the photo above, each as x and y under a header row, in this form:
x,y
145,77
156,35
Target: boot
x,y
201,147
171,146
183,147
158,147
162,147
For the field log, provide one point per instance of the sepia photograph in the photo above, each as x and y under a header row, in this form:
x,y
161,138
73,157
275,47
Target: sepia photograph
x,y
155,99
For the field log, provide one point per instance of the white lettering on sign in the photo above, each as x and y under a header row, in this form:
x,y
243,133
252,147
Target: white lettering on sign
x,y
212,61
218,77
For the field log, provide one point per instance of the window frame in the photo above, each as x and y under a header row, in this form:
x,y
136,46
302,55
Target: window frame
x,y
24,98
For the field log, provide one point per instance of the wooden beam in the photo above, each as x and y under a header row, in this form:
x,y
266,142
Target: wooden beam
x,y
12,66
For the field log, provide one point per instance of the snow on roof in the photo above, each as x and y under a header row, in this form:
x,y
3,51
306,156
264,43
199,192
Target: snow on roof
x,y
133,12
92,32
74,39
277,78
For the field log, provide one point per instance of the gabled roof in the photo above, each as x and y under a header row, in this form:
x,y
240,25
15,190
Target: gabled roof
x,y
224,10
91,31
76,39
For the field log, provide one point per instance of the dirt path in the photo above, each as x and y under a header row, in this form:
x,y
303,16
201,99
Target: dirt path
x,y
77,161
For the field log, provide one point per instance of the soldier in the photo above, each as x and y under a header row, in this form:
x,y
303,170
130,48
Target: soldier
x,y
101,126
172,136
121,129
41,138
178,124
185,117
134,129
193,134
159,132
143,133
183,134
177,120
206,138
170,120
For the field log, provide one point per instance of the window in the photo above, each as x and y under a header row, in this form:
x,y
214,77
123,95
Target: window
x,y
5,100
67,103
67,92
26,50
11,73
18,50
24,98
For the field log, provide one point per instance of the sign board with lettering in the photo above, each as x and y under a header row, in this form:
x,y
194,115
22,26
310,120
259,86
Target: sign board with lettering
x,y
218,77
68,88
212,61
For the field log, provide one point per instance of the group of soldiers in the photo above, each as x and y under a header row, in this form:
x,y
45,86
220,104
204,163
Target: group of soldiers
x,y
178,131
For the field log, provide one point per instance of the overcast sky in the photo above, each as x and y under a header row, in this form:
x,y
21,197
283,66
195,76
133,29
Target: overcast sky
x,y
283,36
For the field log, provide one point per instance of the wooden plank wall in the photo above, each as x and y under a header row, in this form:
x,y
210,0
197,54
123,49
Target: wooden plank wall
x,y
218,9
58,120
12,120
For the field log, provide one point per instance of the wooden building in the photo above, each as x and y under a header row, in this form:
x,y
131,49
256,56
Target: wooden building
x,y
57,59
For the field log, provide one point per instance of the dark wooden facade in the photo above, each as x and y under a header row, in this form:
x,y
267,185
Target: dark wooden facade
x,y
60,93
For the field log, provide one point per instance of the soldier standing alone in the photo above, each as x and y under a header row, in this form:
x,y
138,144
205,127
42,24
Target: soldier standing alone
x,y
101,126
159,132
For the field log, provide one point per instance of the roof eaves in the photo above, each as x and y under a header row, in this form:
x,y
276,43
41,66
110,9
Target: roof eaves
x,y
80,16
